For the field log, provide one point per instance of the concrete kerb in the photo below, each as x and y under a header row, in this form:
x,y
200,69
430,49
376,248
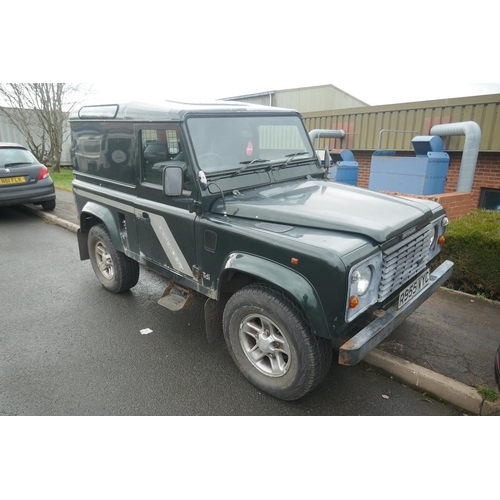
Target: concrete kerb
x,y
435,384
54,219
418,377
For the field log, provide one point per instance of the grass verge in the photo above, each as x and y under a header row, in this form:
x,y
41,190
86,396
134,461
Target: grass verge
x,y
63,179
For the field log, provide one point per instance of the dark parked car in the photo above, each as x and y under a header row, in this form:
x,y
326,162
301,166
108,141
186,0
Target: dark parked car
x,y
23,179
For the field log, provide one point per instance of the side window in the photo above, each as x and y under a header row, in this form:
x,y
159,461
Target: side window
x,y
105,150
158,145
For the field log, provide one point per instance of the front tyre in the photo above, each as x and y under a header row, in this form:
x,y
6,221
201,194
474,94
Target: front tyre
x,y
272,344
116,272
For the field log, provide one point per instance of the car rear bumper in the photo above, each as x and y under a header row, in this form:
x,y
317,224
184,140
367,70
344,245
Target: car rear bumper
x,y
26,194
355,349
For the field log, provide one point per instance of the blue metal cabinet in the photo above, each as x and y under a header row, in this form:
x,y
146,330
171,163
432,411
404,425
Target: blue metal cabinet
x,y
344,168
424,174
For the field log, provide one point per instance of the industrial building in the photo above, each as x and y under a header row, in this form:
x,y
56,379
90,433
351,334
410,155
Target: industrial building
x,y
304,100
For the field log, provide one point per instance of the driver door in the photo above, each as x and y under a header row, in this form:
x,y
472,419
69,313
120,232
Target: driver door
x,y
165,228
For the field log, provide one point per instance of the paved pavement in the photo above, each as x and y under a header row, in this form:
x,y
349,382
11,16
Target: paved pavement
x,y
446,348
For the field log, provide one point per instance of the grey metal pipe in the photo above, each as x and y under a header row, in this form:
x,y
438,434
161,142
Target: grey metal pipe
x,y
396,131
326,133
472,132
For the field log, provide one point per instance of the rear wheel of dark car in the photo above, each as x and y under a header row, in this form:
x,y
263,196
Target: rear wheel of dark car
x,y
48,206
272,343
116,272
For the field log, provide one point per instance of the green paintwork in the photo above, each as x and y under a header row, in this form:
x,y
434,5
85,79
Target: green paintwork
x,y
329,205
108,218
324,258
286,279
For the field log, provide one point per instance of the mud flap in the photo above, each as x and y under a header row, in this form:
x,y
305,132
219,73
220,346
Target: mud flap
x,y
83,244
214,312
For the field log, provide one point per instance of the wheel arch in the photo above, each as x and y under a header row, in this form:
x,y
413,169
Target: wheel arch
x,y
91,215
242,269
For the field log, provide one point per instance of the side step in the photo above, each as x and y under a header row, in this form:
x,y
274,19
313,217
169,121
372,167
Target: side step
x,y
176,297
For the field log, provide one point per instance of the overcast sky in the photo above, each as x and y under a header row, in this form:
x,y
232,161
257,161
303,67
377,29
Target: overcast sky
x,y
380,52
373,95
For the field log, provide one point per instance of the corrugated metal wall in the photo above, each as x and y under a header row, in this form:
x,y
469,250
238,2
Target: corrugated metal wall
x,y
364,126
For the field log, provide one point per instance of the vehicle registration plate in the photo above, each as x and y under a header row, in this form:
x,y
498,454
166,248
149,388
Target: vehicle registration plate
x,y
12,180
413,288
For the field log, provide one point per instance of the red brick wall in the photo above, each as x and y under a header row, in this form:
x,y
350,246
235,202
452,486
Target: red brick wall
x,y
364,159
455,204
487,175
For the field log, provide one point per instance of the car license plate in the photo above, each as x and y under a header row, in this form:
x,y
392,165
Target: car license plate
x,y
413,288
12,180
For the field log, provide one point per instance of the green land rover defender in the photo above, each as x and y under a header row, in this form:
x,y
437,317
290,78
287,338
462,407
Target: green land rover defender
x,y
230,201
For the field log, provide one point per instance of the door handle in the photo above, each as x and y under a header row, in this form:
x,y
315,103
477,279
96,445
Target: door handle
x,y
144,218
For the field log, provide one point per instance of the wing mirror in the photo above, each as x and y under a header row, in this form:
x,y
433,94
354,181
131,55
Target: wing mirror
x,y
173,176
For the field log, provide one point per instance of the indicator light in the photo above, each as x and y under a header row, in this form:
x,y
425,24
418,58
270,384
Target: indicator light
x,y
295,261
441,240
353,302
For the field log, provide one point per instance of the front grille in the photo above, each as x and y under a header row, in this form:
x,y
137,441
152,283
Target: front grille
x,y
404,261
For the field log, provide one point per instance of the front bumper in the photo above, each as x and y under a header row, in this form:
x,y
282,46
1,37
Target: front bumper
x,y
355,349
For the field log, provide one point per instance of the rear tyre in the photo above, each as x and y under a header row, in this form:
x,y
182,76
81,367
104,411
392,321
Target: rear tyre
x,y
272,344
116,272
48,206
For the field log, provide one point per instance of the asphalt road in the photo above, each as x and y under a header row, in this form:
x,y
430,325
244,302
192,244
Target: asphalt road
x,y
69,347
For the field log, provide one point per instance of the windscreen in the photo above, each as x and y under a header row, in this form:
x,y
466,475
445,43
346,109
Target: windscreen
x,y
227,142
12,157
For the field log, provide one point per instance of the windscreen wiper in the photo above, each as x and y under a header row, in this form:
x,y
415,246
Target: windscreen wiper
x,y
17,163
290,157
247,163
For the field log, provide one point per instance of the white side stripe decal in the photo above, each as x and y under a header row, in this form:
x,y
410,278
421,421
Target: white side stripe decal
x,y
169,245
160,227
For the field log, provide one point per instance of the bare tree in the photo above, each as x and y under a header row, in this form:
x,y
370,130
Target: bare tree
x,y
39,111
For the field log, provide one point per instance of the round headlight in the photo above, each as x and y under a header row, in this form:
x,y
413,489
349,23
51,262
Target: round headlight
x,y
364,281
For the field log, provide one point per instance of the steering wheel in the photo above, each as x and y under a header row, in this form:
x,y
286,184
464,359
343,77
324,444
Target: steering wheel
x,y
209,160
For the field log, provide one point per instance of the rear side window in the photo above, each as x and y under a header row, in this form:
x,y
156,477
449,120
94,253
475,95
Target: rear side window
x,y
105,150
